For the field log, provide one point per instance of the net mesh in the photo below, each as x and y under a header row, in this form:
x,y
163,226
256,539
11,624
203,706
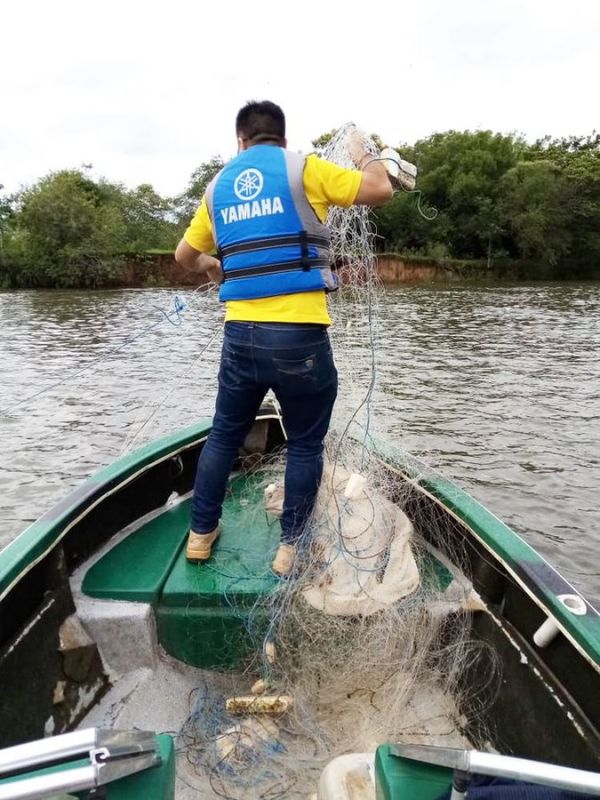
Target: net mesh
x,y
367,640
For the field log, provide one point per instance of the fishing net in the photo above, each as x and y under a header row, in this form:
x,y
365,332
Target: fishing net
x,y
367,639
362,645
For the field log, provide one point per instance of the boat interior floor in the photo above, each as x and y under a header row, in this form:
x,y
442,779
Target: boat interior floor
x,y
164,699
169,630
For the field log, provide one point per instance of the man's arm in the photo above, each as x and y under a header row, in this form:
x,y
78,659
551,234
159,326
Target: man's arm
x,y
375,187
194,260
194,257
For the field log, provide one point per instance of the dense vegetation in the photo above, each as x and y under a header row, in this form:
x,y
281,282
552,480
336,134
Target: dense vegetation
x,y
71,231
498,199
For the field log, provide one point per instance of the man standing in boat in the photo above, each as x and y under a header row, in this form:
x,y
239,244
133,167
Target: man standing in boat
x,y
264,216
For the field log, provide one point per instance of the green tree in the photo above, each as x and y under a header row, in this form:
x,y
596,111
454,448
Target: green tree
x,y
188,201
400,226
7,217
566,150
578,158
460,175
70,231
536,210
321,142
148,220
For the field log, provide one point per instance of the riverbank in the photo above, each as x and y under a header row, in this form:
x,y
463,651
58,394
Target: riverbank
x,y
158,269
394,269
161,269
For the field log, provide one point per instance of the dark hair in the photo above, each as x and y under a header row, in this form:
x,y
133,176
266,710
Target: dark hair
x,y
261,122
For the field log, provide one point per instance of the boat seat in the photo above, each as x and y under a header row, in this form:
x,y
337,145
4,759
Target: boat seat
x,y
411,780
206,609
209,614
136,569
203,610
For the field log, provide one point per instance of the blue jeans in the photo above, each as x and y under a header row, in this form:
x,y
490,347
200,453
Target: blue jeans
x,y
295,360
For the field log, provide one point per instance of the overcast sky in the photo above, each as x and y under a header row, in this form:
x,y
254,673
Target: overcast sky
x,y
146,91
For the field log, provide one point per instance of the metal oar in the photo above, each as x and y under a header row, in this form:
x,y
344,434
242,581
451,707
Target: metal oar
x,y
468,762
110,755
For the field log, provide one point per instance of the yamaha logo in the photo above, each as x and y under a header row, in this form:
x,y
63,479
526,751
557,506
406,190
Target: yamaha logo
x,y
248,184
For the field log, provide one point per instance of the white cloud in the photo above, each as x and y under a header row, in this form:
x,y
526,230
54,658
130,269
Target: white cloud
x,y
147,91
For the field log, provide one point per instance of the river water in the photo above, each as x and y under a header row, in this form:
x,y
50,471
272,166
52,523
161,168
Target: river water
x,y
497,386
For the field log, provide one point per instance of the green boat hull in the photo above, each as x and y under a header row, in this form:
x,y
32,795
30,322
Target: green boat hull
x,y
202,620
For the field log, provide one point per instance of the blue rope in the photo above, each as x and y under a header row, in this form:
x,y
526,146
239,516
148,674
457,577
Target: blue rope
x,y
178,306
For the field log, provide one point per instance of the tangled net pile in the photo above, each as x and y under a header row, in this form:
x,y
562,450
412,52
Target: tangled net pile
x,y
367,640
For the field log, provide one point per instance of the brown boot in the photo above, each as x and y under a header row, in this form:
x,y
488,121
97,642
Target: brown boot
x,y
284,559
199,545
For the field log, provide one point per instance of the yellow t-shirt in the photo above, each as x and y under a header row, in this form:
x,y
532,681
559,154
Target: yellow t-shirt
x,y
325,184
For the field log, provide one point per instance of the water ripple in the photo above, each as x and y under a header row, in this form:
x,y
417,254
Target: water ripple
x,y
499,387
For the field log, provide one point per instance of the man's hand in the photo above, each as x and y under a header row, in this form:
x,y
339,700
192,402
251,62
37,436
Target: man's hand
x,y
211,266
195,261
206,263
215,272
402,173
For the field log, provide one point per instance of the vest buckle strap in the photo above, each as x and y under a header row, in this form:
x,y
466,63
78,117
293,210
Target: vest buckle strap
x,y
304,257
274,269
274,241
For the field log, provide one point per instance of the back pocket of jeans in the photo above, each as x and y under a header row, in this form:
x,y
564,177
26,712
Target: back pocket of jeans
x,y
297,373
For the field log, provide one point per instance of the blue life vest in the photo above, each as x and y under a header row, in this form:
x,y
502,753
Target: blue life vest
x,y
269,238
